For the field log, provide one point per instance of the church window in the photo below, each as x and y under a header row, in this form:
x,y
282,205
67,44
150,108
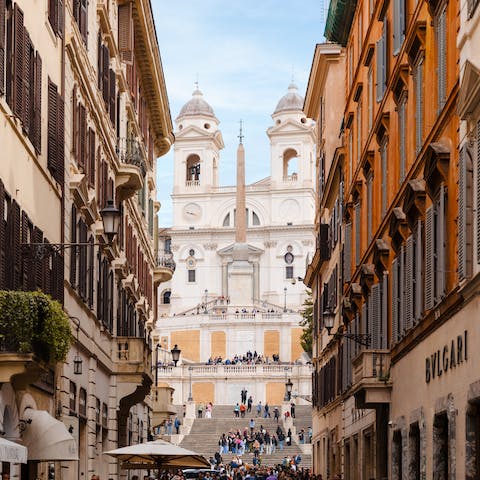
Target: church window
x,y
289,271
207,126
255,219
290,164
191,252
191,276
193,169
289,258
226,220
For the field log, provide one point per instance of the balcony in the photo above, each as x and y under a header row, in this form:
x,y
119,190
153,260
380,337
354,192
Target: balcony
x,y
34,335
371,378
162,405
131,173
164,269
290,178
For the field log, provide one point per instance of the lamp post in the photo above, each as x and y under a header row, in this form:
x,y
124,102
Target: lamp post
x,y
288,390
111,222
175,351
190,398
205,302
286,397
329,319
285,299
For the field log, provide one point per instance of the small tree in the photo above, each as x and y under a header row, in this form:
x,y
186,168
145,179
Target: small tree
x,y
306,338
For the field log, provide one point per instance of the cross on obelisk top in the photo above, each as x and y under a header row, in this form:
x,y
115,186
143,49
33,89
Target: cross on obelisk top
x,y
240,136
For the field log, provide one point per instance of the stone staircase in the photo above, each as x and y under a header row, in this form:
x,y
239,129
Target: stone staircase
x,y
202,434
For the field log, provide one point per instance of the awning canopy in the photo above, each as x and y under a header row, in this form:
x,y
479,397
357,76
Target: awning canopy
x,y
12,452
46,438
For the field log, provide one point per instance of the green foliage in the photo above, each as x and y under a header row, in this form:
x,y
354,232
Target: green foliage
x,y
31,322
306,338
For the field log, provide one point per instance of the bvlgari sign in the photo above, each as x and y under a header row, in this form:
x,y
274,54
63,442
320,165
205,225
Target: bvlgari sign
x,y
451,356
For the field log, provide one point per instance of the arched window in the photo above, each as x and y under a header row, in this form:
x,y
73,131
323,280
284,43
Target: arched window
x,y
290,164
166,297
226,220
193,169
191,267
255,219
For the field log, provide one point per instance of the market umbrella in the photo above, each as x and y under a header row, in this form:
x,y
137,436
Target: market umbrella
x,y
158,454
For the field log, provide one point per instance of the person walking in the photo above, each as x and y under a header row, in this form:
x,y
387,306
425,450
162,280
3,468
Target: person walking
x,y
276,414
249,403
200,410
236,410
289,438
292,409
252,426
259,409
266,411
177,424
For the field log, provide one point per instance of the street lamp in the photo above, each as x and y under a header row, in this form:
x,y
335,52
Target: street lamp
x,y
329,319
286,397
285,299
288,390
111,222
175,351
190,398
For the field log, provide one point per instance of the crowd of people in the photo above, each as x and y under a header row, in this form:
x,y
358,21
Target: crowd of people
x,y
249,358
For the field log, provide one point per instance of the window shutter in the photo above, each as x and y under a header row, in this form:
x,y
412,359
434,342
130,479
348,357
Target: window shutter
x,y
384,55
384,160
396,26
2,46
150,216
27,83
429,272
369,205
18,62
83,20
52,128
82,135
37,237
112,97
324,241
402,136
401,292
37,105
384,313
53,14
441,56
374,306
418,80
25,259
106,75
73,250
347,253
82,278
379,69
61,22
3,237
366,318
58,277
100,61
441,246
91,158
125,32
418,273
15,253
409,284
394,301
357,233
462,202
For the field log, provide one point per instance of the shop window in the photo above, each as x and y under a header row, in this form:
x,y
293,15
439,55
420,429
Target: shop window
x,y
414,451
441,459
472,445
397,456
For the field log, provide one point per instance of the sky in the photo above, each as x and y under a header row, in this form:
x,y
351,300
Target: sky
x,y
244,55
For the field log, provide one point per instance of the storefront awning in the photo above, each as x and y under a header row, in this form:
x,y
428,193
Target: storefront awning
x,y
12,452
46,438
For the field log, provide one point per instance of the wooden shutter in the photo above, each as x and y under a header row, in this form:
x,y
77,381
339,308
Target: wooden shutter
x,y
73,250
324,236
3,238
37,105
112,97
429,265
82,269
18,62
2,45
440,241
418,82
91,157
384,161
358,221
374,311
37,237
60,139
441,30
58,275
418,273
402,135
27,82
477,153
394,301
53,14
150,216
384,55
369,205
462,202
379,69
100,61
106,75
84,20
401,292
25,259
15,249
91,271
409,284
60,26
52,161
347,253
396,26
384,312
125,32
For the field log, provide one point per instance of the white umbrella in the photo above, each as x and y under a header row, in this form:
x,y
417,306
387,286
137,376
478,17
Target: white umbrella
x,y
158,454
12,452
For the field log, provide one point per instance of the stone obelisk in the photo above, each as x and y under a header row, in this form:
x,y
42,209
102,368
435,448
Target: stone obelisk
x,y
240,271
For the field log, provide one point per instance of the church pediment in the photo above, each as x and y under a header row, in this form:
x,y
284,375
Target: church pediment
x,y
288,126
226,251
194,131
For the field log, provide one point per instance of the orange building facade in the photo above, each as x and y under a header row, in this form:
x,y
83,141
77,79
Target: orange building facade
x,y
394,274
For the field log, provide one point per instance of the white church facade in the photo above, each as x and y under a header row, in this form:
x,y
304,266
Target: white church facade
x,y
237,286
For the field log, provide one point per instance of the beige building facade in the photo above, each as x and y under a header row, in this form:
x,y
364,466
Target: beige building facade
x,y
85,117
